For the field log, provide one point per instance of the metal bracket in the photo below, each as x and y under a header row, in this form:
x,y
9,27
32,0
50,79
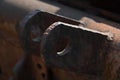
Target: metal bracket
x,y
35,23
75,48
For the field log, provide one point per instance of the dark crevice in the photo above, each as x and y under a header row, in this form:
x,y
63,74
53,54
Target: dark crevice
x,y
43,75
39,66
0,71
50,75
118,74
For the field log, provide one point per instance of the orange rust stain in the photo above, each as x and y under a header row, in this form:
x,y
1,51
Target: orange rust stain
x,y
10,48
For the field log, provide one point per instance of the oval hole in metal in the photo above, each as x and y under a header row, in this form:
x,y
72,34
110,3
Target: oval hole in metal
x,y
63,46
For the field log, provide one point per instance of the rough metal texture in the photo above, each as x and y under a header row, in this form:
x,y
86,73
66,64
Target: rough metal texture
x,y
111,70
75,48
108,70
31,30
36,23
30,67
11,50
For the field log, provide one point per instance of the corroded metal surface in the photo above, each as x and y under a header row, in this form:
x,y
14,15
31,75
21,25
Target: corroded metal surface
x,y
36,23
112,63
31,29
30,67
11,50
104,65
84,48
